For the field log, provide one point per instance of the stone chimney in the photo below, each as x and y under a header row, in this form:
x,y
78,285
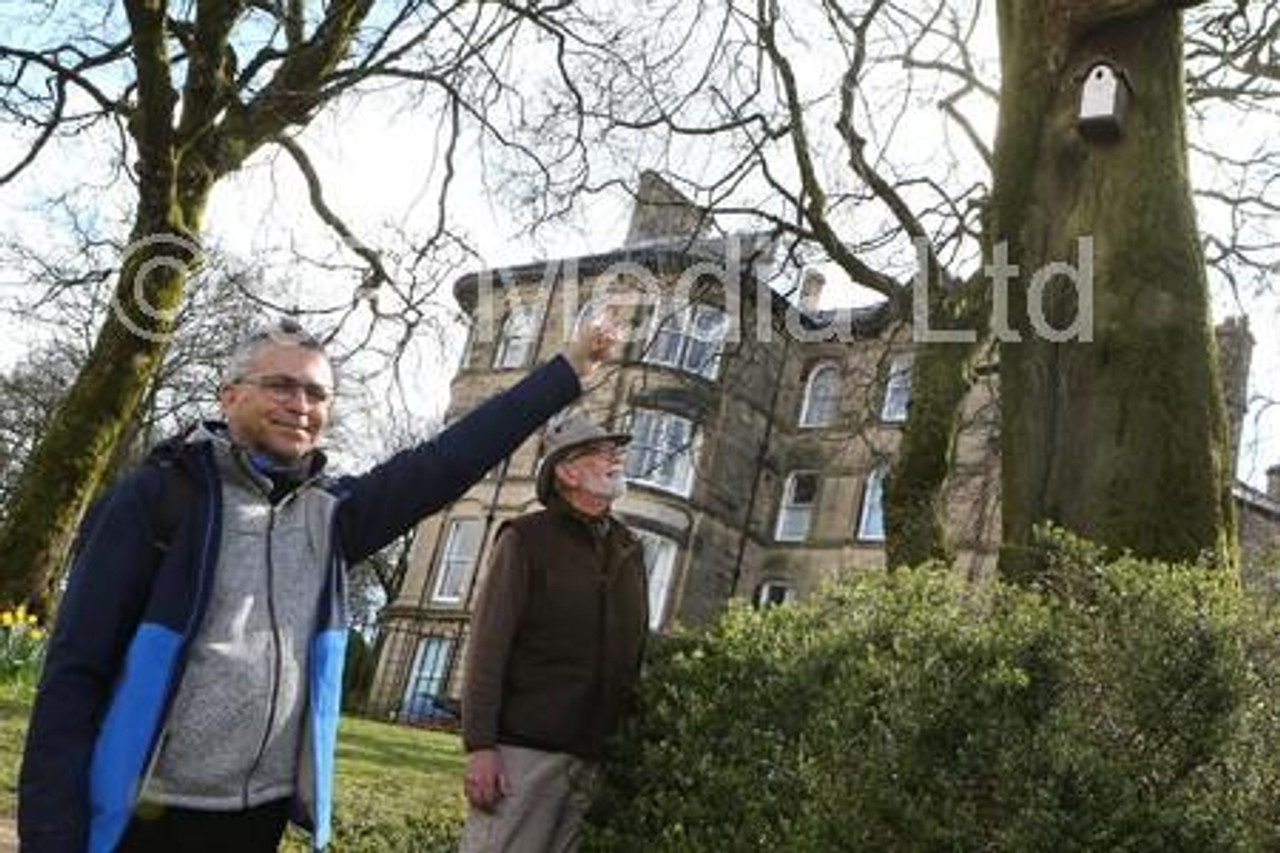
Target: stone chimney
x,y
1273,483
811,286
1235,354
663,213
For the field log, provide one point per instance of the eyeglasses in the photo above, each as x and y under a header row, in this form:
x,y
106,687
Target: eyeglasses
x,y
284,388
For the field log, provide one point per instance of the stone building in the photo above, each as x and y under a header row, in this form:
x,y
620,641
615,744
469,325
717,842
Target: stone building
x,y
762,431
1258,515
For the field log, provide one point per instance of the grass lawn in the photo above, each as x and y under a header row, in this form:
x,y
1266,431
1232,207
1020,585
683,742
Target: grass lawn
x,y
15,705
386,774
397,771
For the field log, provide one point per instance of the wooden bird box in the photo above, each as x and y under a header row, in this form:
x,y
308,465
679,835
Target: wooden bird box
x,y
1105,93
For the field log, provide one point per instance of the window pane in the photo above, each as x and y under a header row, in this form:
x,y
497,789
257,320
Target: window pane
x,y
871,524
708,322
793,523
427,678
659,562
706,340
822,397
668,342
700,358
519,333
458,559
690,339
796,512
661,451
773,593
804,489
897,392
642,452
675,449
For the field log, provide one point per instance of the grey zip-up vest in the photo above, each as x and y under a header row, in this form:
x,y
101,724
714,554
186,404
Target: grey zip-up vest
x,y
232,739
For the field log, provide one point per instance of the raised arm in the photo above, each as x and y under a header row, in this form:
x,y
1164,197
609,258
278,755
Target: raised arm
x,y
387,501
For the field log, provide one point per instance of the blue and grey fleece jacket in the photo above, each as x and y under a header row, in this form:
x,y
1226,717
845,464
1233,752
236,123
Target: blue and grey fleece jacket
x,y
232,735
148,650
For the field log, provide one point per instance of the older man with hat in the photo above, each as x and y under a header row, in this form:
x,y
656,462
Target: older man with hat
x,y
555,649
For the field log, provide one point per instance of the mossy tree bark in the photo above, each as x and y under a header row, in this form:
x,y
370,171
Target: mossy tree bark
x,y
941,378
1121,439
181,155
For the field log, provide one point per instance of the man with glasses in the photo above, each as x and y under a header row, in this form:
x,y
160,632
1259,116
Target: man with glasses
x,y
555,649
190,697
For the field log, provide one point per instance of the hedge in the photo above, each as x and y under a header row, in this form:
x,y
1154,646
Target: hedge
x,y
1131,707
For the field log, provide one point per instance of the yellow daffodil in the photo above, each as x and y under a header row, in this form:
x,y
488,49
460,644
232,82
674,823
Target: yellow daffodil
x,y
6,619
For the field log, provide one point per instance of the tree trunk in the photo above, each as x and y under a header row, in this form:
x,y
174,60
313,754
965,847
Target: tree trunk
x,y
941,377
65,469
1122,439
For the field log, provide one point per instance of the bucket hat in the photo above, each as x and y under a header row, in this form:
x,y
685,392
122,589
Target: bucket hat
x,y
571,432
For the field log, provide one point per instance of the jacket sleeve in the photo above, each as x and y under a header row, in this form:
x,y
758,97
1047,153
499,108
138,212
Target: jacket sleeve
x,y
106,592
384,503
493,629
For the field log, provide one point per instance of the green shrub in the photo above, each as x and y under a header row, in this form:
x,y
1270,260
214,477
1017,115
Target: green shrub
x,y
1130,708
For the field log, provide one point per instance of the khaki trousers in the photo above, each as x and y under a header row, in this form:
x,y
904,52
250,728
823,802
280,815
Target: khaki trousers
x,y
550,794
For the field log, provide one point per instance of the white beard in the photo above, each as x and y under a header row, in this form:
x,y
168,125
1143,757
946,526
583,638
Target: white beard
x,y
609,487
